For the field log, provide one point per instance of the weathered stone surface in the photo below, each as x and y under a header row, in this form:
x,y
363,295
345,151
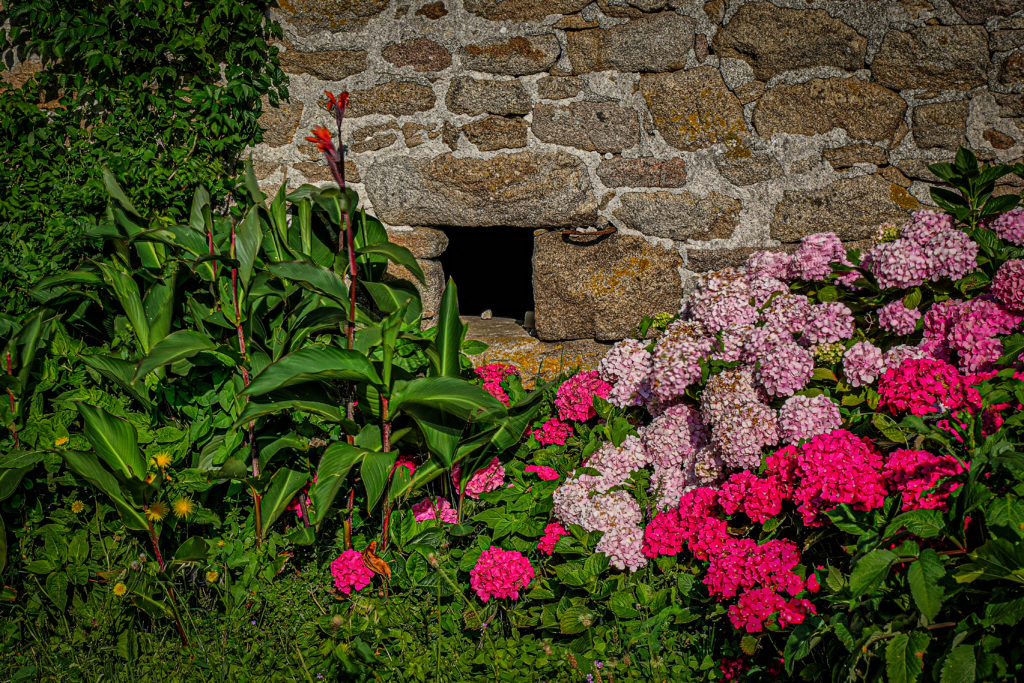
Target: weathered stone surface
x,y
852,208
773,39
574,22
431,289
320,173
865,110
997,139
693,109
679,217
313,16
524,189
590,126
749,92
755,167
280,123
977,11
397,98
1011,72
372,138
644,172
18,75
433,10
653,43
516,56
496,132
600,289
845,157
918,169
330,65
708,260
939,57
509,343
523,10
942,124
472,96
416,133
421,54
1002,41
424,243
558,87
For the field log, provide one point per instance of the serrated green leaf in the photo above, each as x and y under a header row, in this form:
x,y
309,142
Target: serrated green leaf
x,y
903,664
959,666
924,576
870,570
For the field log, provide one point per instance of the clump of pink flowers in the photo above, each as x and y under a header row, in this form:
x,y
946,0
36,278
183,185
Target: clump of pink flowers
x,y
970,329
483,480
350,573
929,248
802,417
552,532
543,472
1010,226
897,318
862,364
920,475
554,431
500,574
575,398
925,387
493,375
627,367
435,508
1008,284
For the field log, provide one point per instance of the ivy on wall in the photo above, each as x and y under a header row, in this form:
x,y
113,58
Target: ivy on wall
x,y
165,93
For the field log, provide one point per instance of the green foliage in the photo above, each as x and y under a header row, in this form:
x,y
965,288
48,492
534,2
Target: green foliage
x,y
164,94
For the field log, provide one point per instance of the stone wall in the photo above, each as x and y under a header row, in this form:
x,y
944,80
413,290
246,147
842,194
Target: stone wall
x,y
701,130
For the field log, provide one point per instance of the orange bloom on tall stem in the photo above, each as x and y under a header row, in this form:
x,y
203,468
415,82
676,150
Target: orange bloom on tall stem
x,y
336,101
322,137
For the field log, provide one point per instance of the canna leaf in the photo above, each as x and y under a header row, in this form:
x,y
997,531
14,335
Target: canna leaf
x,y
114,439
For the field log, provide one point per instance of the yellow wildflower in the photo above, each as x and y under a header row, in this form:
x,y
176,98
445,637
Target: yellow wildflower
x,y
77,506
150,478
220,543
162,460
156,511
183,508
120,589
212,576
61,441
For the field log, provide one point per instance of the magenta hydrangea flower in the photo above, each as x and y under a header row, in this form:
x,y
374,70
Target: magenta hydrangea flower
x,y
829,322
759,498
500,573
543,472
1010,226
862,364
1008,284
925,387
552,532
434,508
575,397
350,573
802,417
627,367
897,318
970,329
920,476
492,376
554,431
483,480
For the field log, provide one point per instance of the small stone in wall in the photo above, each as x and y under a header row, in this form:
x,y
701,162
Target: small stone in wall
x,y
432,10
467,95
416,133
940,124
319,173
851,207
937,57
843,158
397,98
652,43
774,39
707,260
680,217
280,123
998,140
643,172
424,243
313,16
522,10
559,87
977,11
1011,72
330,65
517,56
431,289
742,170
590,126
421,54
692,109
496,132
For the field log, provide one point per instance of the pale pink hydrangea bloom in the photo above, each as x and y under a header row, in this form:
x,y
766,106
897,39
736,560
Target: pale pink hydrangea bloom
x,y
575,398
774,264
929,248
862,364
895,356
434,508
1008,284
802,417
500,574
814,257
627,367
674,437
624,547
483,480
895,317
667,485
785,369
350,573
677,355
787,313
829,322
1010,226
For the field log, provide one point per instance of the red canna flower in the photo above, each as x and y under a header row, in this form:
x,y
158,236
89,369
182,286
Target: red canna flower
x,y
322,137
336,101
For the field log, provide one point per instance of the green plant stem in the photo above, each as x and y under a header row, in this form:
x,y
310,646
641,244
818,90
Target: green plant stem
x,y
12,426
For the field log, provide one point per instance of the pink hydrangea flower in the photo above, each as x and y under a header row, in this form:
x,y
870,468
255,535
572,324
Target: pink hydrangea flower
x,y
929,248
673,438
925,387
483,480
829,322
862,364
627,367
545,473
500,574
802,417
897,318
552,532
575,398
554,431
759,498
970,329
1010,226
919,476
1008,284
493,375
676,358
405,462
774,264
814,257
435,508
350,573
785,369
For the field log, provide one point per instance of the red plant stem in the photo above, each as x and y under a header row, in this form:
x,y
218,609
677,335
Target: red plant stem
x,y
156,546
12,426
386,444
348,520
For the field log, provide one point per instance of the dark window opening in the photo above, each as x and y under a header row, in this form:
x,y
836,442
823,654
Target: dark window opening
x,y
493,269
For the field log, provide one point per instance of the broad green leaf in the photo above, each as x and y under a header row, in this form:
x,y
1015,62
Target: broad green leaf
x,y
313,363
120,372
192,549
315,278
870,571
173,348
87,466
960,665
51,287
576,620
902,661
127,292
922,523
113,188
337,461
923,577
251,184
392,296
450,395
248,237
9,480
3,546
19,459
622,605
254,410
396,254
450,331
282,489
114,439
375,472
